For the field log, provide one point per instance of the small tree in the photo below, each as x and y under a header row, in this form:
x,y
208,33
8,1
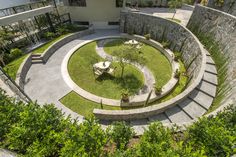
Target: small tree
x,y
121,134
173,4
126,55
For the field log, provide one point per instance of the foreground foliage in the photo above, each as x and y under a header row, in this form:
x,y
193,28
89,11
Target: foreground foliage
x,y
31,130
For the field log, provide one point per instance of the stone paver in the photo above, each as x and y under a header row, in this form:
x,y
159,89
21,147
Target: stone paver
x,y
160,117
182,14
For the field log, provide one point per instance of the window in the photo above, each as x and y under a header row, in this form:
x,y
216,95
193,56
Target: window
x,y
119,3
80,3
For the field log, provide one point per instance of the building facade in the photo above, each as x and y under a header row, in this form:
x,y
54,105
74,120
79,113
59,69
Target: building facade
x,y
99,13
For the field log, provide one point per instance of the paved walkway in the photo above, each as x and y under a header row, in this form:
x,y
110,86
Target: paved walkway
x,y
44,82
7,89
182,14
149,79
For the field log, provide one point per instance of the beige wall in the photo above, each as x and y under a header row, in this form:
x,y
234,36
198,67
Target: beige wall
x,y
96,11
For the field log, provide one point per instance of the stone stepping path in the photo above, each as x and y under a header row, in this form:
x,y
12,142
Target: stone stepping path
x,y
149,79
195,105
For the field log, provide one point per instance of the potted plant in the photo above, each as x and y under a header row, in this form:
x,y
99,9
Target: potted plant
x,y
147,36
165,44
177,74
125,96
158,90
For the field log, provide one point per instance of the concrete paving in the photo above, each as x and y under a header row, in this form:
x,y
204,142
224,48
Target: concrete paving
x,y
7,89
182,14
44,82
6,153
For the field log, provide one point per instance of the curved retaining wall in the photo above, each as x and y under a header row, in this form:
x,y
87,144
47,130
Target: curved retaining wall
x,y
25,66
47,53
181,39
222,28
22,71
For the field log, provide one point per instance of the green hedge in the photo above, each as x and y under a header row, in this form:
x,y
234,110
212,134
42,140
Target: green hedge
x,y
31,130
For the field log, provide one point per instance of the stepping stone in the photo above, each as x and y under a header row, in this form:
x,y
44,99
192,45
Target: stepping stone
x,y
160,117
211,68
209,60
177,115
211,78
207,88
201,98
193,109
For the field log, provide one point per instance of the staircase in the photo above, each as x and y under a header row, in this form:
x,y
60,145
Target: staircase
x,y
195,105
36,59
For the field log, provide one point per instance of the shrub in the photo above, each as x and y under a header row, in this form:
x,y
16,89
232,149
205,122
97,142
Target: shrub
x,y
121,134
147,36
158,90
150,3
125,96
177,56
15,53
49,35
165,44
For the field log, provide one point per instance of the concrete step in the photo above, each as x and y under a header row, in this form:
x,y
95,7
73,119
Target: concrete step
x,y
210,78
192,108
207,88
35,55
36,58
36,61
201,98
209,60
177,115
211,69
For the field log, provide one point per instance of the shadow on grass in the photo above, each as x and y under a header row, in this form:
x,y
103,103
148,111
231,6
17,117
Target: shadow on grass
x,y
129,81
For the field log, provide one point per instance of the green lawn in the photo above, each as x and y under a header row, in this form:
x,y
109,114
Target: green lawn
x,y
175,20
109,86
82,106
155,60
12,68
41,49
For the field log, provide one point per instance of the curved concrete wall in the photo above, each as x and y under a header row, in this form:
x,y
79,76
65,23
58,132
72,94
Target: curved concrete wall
x,y
47,53
22,71
181,39
222,28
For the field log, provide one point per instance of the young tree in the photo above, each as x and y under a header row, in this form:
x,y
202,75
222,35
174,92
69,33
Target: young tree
x,y
126,55
173,4
121,134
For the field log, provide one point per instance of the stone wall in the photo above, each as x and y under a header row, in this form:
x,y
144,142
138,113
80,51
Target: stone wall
x,y
47,53
179,37
222,29
229,6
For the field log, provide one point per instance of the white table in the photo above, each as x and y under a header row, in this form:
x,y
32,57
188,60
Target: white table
x,y
132,42
102,65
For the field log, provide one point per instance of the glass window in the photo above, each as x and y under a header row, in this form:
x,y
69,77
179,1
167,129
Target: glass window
x,y
81,3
